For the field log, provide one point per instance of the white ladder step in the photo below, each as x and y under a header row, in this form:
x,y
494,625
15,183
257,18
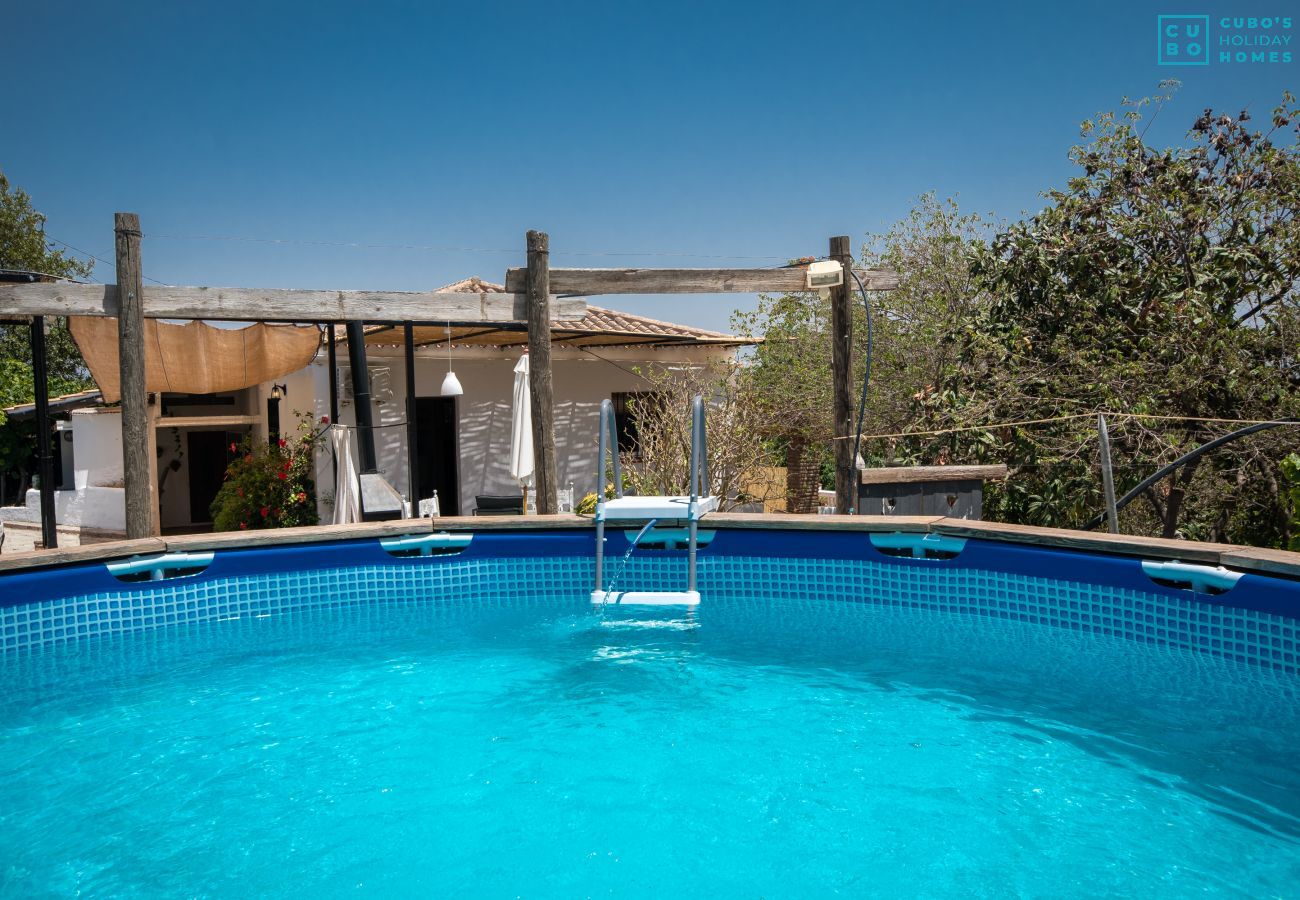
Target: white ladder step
x,y
646,598
645,508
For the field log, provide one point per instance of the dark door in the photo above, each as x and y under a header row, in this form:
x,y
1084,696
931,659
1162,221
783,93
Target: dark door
x,y
435,452
208,455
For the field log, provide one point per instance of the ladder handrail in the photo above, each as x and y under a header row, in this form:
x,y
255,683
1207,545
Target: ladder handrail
x,y
607,441
608,431
699,477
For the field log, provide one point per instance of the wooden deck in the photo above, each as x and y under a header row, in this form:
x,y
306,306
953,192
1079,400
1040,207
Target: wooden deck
x,y
1254,559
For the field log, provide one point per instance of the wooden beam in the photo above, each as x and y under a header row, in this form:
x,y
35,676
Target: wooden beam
x,y
918,474
137,448
540,389
846,491
588,282
277,305
206,421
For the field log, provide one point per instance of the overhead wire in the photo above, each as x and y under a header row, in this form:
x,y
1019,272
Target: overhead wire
x,y
100,259
370,245
1062,418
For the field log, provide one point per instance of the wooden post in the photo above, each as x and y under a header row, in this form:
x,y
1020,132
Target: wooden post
x,y
846,473
135,403
540,391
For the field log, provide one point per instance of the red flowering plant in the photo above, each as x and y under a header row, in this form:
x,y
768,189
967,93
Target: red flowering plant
x,y
269,485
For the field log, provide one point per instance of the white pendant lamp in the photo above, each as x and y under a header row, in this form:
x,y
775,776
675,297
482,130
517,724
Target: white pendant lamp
x,y
451,384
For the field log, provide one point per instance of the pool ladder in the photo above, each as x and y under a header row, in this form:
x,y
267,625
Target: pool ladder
x,y
689,508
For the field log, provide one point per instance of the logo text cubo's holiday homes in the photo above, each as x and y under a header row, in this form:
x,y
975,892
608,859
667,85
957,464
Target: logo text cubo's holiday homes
x,y
1199,40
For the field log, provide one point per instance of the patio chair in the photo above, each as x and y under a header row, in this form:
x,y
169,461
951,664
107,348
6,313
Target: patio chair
x,y
496,505
429,507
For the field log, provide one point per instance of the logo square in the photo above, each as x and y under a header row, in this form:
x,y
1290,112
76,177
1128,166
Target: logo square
x,y
1183,40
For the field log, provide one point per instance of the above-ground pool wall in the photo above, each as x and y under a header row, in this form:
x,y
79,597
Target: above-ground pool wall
x,y
1254,622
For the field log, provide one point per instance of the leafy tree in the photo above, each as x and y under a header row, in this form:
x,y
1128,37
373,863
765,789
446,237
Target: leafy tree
x,y
23,246
1159,281
917,330
790,382
918,326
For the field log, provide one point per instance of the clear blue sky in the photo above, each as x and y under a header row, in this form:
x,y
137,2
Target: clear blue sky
x,y
729,129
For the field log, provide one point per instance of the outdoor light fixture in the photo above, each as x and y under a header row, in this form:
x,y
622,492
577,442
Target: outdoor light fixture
x,y
279,391
451,384
823,275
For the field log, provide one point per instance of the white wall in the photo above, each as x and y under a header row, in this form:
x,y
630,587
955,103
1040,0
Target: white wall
x,y
97,447
581,381
98,499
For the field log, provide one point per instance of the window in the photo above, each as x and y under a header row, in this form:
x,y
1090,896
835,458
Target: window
x,y
627,406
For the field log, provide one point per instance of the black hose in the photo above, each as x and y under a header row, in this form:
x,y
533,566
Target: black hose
x,y
1182,460
866,382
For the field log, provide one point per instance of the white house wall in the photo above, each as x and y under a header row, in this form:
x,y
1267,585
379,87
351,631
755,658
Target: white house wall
x,y
580,382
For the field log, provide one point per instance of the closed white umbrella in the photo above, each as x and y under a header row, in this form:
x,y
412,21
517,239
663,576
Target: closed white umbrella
x,y
521,430
347,490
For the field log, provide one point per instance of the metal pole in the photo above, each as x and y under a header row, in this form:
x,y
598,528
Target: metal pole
x,y
1107,476
613,452
1186,458
605,410
334,390
361,397
412,433
44,454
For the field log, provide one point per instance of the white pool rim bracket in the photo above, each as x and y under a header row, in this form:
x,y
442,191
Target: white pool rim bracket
x,y
1191,576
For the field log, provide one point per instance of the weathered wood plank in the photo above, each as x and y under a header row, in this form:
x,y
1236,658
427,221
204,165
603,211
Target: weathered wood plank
x,y
588,282
317,534
914,474
796,522
306,534
556,522
278,305
1262,559
67,556
1125,544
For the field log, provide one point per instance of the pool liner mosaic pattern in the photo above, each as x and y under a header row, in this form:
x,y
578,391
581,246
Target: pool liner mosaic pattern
x,y
1177,619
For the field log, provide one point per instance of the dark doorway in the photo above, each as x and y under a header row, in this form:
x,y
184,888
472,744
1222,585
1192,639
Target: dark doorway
x,y
435,452
208,454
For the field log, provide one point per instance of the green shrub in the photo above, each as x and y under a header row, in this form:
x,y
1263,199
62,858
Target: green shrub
x,y
269,485
1291,472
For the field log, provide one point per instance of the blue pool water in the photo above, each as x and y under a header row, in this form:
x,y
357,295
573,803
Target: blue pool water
x,y
752,748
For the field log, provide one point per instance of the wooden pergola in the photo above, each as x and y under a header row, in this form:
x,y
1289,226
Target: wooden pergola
x,y
534,297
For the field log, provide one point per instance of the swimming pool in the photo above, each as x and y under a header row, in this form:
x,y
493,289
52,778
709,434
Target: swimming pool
x,y
833,717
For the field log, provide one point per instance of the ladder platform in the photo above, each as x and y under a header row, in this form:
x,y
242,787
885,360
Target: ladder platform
x,y
646,598
643,509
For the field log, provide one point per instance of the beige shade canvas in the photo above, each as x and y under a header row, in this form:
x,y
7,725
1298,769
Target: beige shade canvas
x,y
197,358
